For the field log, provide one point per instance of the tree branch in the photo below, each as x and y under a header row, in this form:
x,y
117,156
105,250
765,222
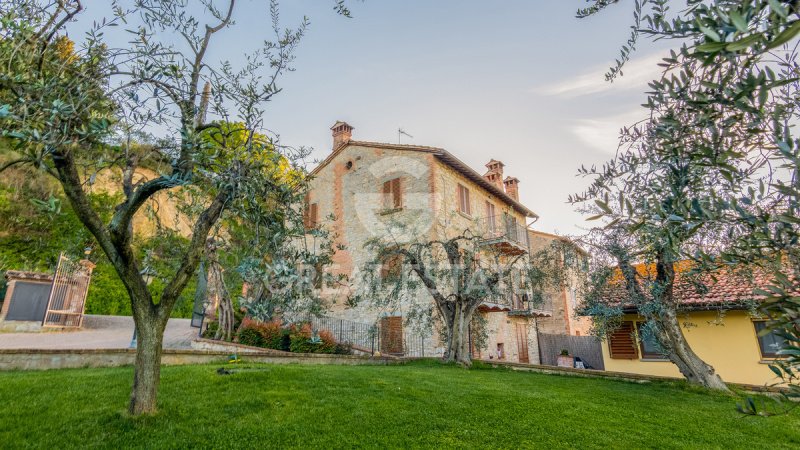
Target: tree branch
x,y
194,252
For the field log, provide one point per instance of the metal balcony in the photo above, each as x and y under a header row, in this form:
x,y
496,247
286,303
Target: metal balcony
x,y
514,304
504,233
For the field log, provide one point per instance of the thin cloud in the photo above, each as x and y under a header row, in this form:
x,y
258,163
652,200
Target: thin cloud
x,y
603,133
636,74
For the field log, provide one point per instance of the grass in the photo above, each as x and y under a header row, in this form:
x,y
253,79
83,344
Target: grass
x,y
416,405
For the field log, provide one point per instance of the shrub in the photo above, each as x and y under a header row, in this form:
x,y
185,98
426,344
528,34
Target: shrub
x,y
328,344
272,334
297,338
304,340
300,338
250,336
211,330
263,334
343,349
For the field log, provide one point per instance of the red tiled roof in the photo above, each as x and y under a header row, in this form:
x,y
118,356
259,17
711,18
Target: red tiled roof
x,y
730,287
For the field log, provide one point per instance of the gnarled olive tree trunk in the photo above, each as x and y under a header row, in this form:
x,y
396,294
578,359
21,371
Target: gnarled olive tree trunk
x,y
671,337
218,294
147,368
457,318
668,330
691,366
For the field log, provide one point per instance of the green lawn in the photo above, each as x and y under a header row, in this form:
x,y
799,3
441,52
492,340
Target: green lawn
x,y
423,404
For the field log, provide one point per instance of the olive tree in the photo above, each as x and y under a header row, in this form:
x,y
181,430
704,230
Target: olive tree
x,y
722,114
75,109
459,271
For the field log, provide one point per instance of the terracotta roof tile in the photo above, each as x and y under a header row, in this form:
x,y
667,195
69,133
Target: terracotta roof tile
x,y
732,287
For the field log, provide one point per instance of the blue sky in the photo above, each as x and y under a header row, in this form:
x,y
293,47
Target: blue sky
x,y
519,81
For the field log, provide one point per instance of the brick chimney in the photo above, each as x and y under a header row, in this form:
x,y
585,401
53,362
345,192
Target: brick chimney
x,y
495,173
512,187
342,132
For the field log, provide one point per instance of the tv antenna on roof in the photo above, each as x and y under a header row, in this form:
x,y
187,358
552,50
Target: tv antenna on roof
x,y
400,133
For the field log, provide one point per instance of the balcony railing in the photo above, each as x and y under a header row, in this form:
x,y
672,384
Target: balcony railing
x,y
504,232
517,304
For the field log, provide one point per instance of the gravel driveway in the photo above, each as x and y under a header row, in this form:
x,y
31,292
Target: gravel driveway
x,y
99,332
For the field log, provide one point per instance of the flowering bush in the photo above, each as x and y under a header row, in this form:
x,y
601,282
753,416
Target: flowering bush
x,y
297,338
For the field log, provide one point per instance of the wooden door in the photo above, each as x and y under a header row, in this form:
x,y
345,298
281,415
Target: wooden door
x,y
391,335
522,343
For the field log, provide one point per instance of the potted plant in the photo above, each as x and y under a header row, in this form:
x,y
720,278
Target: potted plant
x,y
565,360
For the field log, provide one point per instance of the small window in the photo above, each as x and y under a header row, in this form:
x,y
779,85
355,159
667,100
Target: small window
x,y
491,222
463,199
392,267
392,194
770,343
648,344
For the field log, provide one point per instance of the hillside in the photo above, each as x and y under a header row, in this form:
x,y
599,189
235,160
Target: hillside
x,y
37,223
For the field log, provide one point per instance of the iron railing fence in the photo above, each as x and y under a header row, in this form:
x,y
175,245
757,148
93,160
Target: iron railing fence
x,y
502,228
414,345
362,336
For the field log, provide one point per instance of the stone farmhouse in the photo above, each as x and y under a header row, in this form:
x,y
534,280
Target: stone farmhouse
x,y
362,186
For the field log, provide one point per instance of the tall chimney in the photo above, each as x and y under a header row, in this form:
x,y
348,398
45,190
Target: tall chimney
x,y
512,187
495,173
342,132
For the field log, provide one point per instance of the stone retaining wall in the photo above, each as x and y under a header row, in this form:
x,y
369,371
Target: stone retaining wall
x,y
623,376
27,359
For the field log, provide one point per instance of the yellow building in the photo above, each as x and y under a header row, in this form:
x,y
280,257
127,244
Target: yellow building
x,y
718,325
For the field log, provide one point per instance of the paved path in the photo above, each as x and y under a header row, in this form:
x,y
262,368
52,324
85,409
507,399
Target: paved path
x,y
99,332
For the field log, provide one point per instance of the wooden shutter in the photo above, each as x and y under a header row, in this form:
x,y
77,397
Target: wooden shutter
x,y
621,343
387,194
312,212
306,213
491,225
397,194
463,199
522,343
318,275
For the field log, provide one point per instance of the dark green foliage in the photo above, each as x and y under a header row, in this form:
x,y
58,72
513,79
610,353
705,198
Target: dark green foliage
x,y
250,336
407,406
34,235
211,330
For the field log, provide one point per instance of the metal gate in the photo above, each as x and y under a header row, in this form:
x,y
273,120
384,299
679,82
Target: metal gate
x,y
68,295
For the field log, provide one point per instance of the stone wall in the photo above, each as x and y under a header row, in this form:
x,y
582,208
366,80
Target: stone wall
x,y
66,359
502,329
563,303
